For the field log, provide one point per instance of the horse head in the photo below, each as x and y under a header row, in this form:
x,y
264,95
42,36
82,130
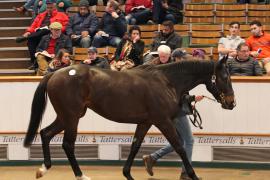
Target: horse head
x,y
221,86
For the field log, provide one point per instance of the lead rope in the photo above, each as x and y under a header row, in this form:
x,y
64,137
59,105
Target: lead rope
x,y
197,120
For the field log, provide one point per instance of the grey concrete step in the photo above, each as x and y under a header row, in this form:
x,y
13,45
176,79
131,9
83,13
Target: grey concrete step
x,y
12,13
10,42
14,63
16,72
14,52
15,22
6,4
11,31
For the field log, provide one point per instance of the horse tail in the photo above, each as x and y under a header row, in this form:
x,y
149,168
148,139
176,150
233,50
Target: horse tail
x,y
38,107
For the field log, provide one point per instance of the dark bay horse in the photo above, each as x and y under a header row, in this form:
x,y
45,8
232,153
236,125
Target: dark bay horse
x,y
145,95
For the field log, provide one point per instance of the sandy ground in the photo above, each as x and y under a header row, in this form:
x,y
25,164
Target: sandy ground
x,y
115,173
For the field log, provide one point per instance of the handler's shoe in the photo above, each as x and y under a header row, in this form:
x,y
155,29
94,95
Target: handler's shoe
x,y
184,176
149,162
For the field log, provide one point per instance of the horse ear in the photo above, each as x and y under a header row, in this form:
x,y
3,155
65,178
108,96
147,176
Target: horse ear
x,y
224,59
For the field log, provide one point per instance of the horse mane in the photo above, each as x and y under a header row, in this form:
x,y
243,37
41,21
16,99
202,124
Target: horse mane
x,y
188,67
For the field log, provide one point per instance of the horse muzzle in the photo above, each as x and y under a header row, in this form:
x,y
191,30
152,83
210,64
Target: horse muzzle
x,y
228,102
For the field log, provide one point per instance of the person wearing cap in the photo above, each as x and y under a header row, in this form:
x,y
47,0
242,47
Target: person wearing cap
x,y
181,124
82,26
95,60
50,45
39,28
112,27
181,54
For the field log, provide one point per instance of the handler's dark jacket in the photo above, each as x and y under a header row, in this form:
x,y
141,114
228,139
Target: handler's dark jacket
x,y
63,42
173,40
185,104
99,62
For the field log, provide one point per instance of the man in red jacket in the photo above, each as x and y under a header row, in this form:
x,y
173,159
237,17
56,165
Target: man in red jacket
x,y
39,28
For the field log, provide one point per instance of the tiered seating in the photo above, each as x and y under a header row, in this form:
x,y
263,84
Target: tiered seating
x,y
80,54
148,32
258,11
226,13
205,35
198,13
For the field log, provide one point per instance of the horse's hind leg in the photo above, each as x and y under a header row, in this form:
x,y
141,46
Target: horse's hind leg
x,y
140,133
69,147
46,135
169,131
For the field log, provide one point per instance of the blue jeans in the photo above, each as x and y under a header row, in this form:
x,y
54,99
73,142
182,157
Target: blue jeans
x,y
139,16
184,130
101,41
28,4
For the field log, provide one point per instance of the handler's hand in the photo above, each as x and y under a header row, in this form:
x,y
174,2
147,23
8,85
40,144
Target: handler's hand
x,y
198,98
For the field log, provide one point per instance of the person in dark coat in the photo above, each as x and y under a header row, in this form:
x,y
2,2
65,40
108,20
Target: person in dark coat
x,y
167,10
112,28
94,60
82,26
50,45
166,37
130,49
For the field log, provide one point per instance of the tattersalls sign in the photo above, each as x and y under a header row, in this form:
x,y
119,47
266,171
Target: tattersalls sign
x,y
201,140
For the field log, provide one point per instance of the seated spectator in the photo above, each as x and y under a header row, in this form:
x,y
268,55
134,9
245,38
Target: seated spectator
x,y
112,28
61,60
94,60
39,28
164,10
227,45
167,37
130,50
180,54
82,26
243,64
199,54
164,56
138,11
50,45
61,5
259,44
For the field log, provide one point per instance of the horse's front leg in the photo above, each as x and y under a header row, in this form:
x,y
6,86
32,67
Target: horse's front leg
x,y
169,131
69,147
140,133
46,135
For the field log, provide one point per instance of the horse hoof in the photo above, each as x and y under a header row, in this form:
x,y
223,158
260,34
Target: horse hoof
x,y
41,171
83,177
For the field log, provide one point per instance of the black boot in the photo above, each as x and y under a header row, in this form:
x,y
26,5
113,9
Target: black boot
x,y
20,39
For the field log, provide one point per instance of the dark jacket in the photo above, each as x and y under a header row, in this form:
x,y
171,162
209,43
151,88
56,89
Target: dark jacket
x,y
63,42
113,27
185,104
250,67
135,54
99,62
173,40
78,23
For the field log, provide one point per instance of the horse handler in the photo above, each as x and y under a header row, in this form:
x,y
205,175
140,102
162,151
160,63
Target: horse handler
x,y
183,129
